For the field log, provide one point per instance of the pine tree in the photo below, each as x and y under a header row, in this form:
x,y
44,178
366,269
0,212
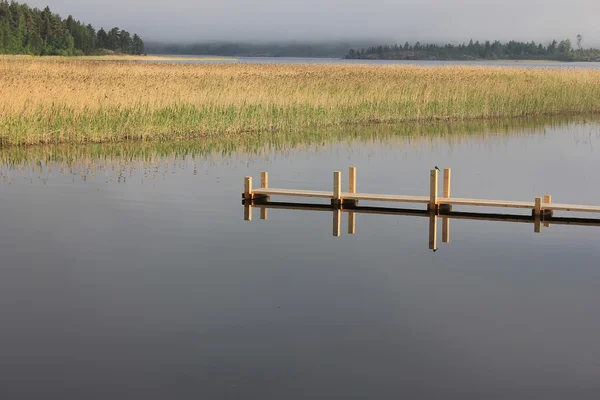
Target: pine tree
x,y
25,30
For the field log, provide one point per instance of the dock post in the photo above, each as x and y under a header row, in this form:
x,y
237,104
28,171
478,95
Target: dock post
x,y
337,189
264,184
432,232
264,213
351,223
445,230
247,212
248,188
351,188
547,213
351,202
433,191
352,180
537,211
337,222
446,208
537,224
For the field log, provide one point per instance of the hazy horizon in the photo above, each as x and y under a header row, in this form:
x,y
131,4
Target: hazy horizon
x,y
269,21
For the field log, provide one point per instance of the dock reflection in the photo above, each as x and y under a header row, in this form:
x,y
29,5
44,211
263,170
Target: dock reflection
x,y
265,204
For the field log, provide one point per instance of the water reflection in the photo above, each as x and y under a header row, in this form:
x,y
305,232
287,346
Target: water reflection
x,y
445,217
156,158
152,286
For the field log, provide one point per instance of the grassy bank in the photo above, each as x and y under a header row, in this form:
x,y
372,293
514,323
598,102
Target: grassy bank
x,y
82,101
262,145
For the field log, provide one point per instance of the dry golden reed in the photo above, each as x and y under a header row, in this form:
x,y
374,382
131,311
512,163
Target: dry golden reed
x,y
82,101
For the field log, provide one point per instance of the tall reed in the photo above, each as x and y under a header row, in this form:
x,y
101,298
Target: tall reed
x,y
81,101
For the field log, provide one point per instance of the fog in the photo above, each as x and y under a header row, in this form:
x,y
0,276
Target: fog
x,y
330,20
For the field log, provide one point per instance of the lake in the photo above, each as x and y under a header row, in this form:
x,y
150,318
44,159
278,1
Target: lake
x,y
428,63
128,271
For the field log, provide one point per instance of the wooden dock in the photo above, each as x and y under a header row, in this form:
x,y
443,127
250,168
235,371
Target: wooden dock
x,y
541,207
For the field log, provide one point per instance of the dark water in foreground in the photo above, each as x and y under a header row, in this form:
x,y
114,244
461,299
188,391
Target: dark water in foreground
x,y
131,274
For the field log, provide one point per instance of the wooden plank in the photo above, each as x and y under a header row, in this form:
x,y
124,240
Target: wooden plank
x,y
295,193
488,203
264,213
418,199
386,197
433,190
572,207
447,179
247,212
264,180
249,193
344,195
248,188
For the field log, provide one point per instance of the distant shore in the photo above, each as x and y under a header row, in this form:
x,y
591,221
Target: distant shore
x,y
117,57
478,51
433,58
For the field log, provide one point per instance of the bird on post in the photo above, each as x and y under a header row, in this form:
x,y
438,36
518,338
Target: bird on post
x,y
436,167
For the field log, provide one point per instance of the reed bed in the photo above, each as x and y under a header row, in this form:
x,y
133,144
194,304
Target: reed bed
x,y
80,101
262,146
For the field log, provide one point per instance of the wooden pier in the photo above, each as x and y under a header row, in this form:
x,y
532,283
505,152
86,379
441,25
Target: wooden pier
x,y
541,207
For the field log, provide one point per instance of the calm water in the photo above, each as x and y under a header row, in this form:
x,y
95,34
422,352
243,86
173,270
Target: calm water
x,y
130,273
304,60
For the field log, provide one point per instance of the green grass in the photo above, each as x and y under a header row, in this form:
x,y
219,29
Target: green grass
x,y
262,144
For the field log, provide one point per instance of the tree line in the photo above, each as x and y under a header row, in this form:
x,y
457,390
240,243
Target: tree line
x,y
26,30
245,49
513,50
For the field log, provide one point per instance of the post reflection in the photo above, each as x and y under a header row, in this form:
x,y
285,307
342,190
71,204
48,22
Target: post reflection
x,y
538,222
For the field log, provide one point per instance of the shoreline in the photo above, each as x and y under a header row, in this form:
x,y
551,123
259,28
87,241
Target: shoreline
x,y
264,137
261,142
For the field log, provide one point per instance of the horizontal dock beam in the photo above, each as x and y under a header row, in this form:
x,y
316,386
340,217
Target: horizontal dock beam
x,y
344,195
540,207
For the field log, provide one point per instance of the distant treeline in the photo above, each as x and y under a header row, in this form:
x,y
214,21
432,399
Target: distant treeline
x,y
513,50
232,49
25,30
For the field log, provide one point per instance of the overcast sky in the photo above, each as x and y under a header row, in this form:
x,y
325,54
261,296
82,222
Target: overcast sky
x,y
325,20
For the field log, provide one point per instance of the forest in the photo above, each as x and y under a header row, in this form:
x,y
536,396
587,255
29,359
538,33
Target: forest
x,y
26,30
513,50
330,49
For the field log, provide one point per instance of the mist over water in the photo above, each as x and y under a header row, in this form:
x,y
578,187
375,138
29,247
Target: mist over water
x,y
311,20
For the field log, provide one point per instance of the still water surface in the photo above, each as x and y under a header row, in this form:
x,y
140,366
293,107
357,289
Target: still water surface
x,y
129,273
428,63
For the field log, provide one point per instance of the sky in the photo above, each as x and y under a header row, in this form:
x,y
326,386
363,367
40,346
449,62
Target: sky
x,y
431,21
